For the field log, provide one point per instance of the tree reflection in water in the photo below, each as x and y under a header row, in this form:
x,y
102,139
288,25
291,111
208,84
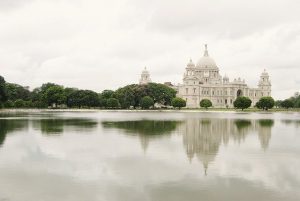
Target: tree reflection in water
x,y
11,125
144,129
56,126
201,137
291,121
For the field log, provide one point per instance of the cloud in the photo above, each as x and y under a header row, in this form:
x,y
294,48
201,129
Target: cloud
x,y
105,44
10,5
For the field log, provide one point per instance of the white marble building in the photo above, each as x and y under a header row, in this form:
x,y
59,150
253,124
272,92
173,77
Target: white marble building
x,y
203,81
145,77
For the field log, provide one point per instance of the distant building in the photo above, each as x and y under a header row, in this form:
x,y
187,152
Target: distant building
x,y
145,77
169,84
203,81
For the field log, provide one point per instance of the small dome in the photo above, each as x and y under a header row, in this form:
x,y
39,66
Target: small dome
x,y
206,61
264,73
145,71
226,78
190,64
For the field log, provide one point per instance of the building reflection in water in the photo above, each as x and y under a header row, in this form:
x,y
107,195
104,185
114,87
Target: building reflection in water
x,y
203,137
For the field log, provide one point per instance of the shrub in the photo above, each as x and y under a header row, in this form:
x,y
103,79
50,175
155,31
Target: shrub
x,y
178,102
206,103
287,104
147,102
265,103
242,102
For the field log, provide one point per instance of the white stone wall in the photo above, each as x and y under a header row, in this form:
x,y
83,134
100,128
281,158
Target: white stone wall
x,y
221,95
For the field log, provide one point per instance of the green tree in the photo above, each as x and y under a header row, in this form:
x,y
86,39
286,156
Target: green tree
x,y
265,103
287,103
104,96
160,93
297,102
178,102
139,92
19,103
126,96
3,94
9,104
112,103
147,102
242,102
131,95
15,91
206,103
55,95
39,97
83,98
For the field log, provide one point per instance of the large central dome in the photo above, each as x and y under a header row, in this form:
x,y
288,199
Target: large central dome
x,y
206,61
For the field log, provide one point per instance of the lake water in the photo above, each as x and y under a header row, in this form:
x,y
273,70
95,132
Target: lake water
x,y
149,156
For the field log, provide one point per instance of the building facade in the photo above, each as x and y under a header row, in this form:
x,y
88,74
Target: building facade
x,y
203,81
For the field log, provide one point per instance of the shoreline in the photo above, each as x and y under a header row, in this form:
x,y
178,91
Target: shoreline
x,y
220,110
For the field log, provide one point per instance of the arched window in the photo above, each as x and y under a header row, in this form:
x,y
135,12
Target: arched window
x,y
239,93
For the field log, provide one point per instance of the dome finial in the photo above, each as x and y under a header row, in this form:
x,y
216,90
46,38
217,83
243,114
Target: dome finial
x,y
206,51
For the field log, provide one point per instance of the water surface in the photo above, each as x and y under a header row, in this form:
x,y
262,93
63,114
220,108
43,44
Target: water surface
x,y
151,156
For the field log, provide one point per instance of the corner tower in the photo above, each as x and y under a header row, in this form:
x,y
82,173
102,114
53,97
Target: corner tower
x,y
145,77
265,84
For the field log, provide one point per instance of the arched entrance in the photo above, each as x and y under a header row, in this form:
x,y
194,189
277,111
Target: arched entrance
x,y
239,93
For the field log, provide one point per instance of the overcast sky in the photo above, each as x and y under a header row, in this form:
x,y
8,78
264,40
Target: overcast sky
x,y
93,44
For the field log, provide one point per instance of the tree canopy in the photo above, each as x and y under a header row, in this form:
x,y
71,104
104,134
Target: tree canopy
x,y
293,101
147,102
206,103
15,91
112,103
287,103
3,94
83,98
51,94
265,103
131,95
242,102
55,95
178,102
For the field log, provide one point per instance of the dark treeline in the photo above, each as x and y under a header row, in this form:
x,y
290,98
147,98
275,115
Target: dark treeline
x,y
51,95
57,96
292,102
